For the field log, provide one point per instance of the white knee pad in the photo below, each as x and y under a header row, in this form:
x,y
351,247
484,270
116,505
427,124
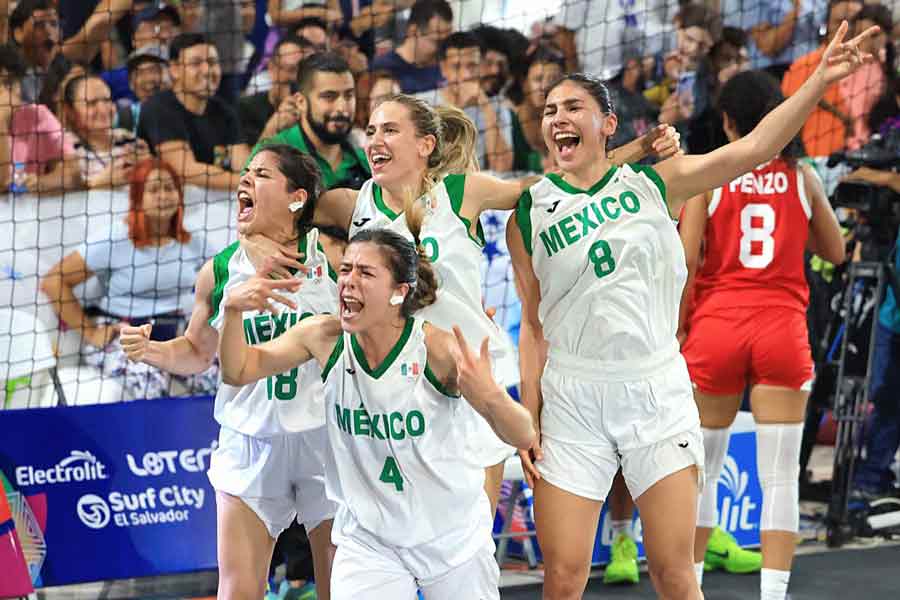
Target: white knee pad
x,y
778,462
715,448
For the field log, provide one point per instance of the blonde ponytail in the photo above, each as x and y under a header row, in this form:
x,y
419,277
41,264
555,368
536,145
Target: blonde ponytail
x,y
454,150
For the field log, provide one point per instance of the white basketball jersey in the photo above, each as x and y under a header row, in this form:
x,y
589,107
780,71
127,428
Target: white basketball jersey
x,y
610,263
456,256
396,467
291,401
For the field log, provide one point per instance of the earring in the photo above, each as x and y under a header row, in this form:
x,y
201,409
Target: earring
x,y
396,300
296,205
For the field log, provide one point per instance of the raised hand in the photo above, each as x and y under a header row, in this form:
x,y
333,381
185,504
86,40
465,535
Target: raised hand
x,y
474,374
843,58
135,340
261,291
663,141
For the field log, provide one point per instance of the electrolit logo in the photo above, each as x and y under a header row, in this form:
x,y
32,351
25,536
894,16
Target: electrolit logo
x,y
735,507
79,466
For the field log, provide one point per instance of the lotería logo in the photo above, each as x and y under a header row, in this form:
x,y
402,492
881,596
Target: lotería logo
x,y
736,506
157,463
93,511
80,465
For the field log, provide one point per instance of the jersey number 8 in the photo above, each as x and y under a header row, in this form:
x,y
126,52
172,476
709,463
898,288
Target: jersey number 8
x,y
757,225
601,257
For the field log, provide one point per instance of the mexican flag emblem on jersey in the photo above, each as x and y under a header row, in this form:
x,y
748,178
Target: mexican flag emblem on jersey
x,y
409,369
315,273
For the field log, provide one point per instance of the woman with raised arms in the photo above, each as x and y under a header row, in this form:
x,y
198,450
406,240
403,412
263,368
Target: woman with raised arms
x,y
600,270
411,509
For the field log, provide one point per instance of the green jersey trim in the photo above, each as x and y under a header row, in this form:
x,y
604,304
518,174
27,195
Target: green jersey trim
x,y
335,355
653,176
523,218
456,188
567,187
436,383
220,274
380,204
389,359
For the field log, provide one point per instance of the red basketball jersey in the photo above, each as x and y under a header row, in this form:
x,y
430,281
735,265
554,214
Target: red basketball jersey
x,y
756,235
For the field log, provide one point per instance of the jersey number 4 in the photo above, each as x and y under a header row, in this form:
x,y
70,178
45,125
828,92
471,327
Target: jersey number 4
x,y
757,225
390,473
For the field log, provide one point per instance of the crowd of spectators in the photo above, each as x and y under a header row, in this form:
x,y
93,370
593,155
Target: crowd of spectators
x,y
100,83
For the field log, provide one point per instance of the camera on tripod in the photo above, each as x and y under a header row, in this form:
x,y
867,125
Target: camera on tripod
x,y
877,208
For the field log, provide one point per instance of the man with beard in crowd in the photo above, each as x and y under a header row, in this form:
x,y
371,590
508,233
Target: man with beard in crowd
x,y
326,102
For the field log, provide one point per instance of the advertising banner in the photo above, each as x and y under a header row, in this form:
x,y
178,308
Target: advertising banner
x,y
113,491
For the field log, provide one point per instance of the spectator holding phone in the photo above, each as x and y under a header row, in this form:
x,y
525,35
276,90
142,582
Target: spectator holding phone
x,y
105,154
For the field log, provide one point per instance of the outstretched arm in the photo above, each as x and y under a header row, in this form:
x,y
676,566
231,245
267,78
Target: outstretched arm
x,y
687,176
241,363
471,374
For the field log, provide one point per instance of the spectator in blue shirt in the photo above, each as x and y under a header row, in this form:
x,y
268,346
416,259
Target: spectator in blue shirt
x,y
415,62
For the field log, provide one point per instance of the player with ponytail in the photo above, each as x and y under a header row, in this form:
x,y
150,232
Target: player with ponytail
x,y
411,513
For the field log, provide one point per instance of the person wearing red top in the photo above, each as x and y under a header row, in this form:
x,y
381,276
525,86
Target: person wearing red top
x,y
748,321
827,128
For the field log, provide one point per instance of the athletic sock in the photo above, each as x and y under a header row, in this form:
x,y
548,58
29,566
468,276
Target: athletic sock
x,y
623,527
698,570
773,584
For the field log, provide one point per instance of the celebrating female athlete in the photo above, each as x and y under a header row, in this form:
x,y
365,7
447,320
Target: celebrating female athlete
x,y
600,271
269,467
748,326
412,511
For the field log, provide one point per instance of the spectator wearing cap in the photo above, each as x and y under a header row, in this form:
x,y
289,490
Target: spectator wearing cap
x,y
415,62
326,103
256,111
147,75
188,126
156,25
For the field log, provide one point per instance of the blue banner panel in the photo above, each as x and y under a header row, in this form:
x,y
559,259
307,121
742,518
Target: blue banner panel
x,y
123,487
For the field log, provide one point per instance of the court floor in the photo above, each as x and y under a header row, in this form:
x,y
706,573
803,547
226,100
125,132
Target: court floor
x,y
863,571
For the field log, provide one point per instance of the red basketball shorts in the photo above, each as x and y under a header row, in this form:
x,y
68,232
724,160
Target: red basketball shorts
x,y
728,349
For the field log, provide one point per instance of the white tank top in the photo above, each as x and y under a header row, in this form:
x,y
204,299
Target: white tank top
x,y
291,401
457,258
396,468
609,261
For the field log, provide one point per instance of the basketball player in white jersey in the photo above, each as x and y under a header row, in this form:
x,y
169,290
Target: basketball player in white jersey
x,y
269,465
412,511
425,186
600,270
